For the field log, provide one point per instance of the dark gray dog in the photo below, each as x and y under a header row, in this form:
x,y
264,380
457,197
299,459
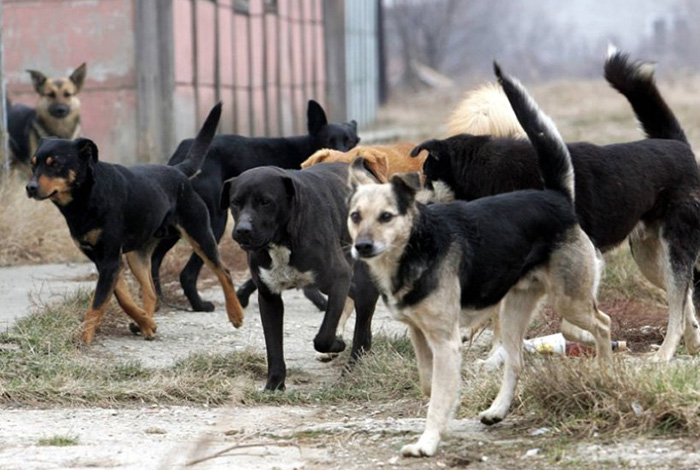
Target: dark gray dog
x,y
292,224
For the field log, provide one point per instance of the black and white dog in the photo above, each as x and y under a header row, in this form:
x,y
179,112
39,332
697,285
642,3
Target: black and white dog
x,y
646,191
292,225
438,264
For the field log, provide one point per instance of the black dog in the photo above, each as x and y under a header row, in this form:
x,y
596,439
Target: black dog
x,y
229,156
293,226
112,210
648,190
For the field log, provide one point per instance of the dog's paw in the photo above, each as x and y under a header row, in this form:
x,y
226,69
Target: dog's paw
x,y
203,306
490,417
326,357
492,363
324,346
134,328
425,447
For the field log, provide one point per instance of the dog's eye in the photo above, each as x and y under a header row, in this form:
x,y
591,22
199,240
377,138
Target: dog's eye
x,y
52,94
66,94
265,202
385,216
355,217
236,202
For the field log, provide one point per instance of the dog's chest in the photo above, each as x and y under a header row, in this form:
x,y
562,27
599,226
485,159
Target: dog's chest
x,y
281,275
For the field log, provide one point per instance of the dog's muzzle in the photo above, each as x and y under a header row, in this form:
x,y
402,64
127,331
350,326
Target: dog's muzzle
x,y
59,111
363,249
32,189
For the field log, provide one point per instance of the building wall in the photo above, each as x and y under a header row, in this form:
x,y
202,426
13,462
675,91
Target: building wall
x,y
55,37
264,61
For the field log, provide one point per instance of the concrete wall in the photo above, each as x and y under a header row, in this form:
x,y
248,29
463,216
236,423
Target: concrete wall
x,y
57,36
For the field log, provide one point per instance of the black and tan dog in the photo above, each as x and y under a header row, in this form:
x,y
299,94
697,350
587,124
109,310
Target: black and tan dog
x,y
231,155
646,191
114,212
443,263
57,113
292,226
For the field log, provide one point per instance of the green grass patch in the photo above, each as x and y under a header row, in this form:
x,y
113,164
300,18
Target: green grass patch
x,y
58,441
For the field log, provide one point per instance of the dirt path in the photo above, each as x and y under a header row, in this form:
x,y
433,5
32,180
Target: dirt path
x,y
357,436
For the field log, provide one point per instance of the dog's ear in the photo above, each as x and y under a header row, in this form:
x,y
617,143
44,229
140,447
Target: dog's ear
x,y
38,80
87,150
289,186
359,173
78,77
434,147
315,117
405,187
353,125
319,156
225,196
378,165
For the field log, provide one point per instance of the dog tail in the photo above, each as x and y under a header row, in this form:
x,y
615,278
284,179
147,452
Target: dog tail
x,y
552,153
192,163
635,81
485,111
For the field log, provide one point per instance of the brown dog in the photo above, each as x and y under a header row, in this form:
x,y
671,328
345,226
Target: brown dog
x,y
382,160
57,113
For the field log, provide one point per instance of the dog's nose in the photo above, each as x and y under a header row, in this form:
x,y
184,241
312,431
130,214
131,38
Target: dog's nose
x,y
60,110
364,247
242,231
32,188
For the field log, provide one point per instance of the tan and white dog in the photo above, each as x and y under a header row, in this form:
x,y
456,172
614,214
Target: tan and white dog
x,y
57,113
445,264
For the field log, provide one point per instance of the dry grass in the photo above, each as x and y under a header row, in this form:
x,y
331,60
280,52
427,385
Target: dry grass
x,y
631,398
32,232
41,362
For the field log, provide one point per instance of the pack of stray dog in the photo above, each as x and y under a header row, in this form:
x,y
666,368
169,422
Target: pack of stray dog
x,y
450,233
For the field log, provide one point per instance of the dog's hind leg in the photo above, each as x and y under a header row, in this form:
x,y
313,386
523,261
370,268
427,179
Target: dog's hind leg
x,y
194,220
190,273
163,247
515,315
145,324
679,258
140,265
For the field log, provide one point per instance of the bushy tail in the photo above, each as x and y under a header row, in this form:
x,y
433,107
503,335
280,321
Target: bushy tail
x,y
552,153
635,81
192,163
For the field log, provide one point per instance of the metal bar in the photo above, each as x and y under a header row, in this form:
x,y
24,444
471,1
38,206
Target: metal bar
x,y
292,91
251,113
278,74
4,137
266,103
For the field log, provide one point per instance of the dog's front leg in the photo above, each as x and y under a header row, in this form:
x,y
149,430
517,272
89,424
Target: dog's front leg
x,y
444,393
327,341
272,316
108,273
424,358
